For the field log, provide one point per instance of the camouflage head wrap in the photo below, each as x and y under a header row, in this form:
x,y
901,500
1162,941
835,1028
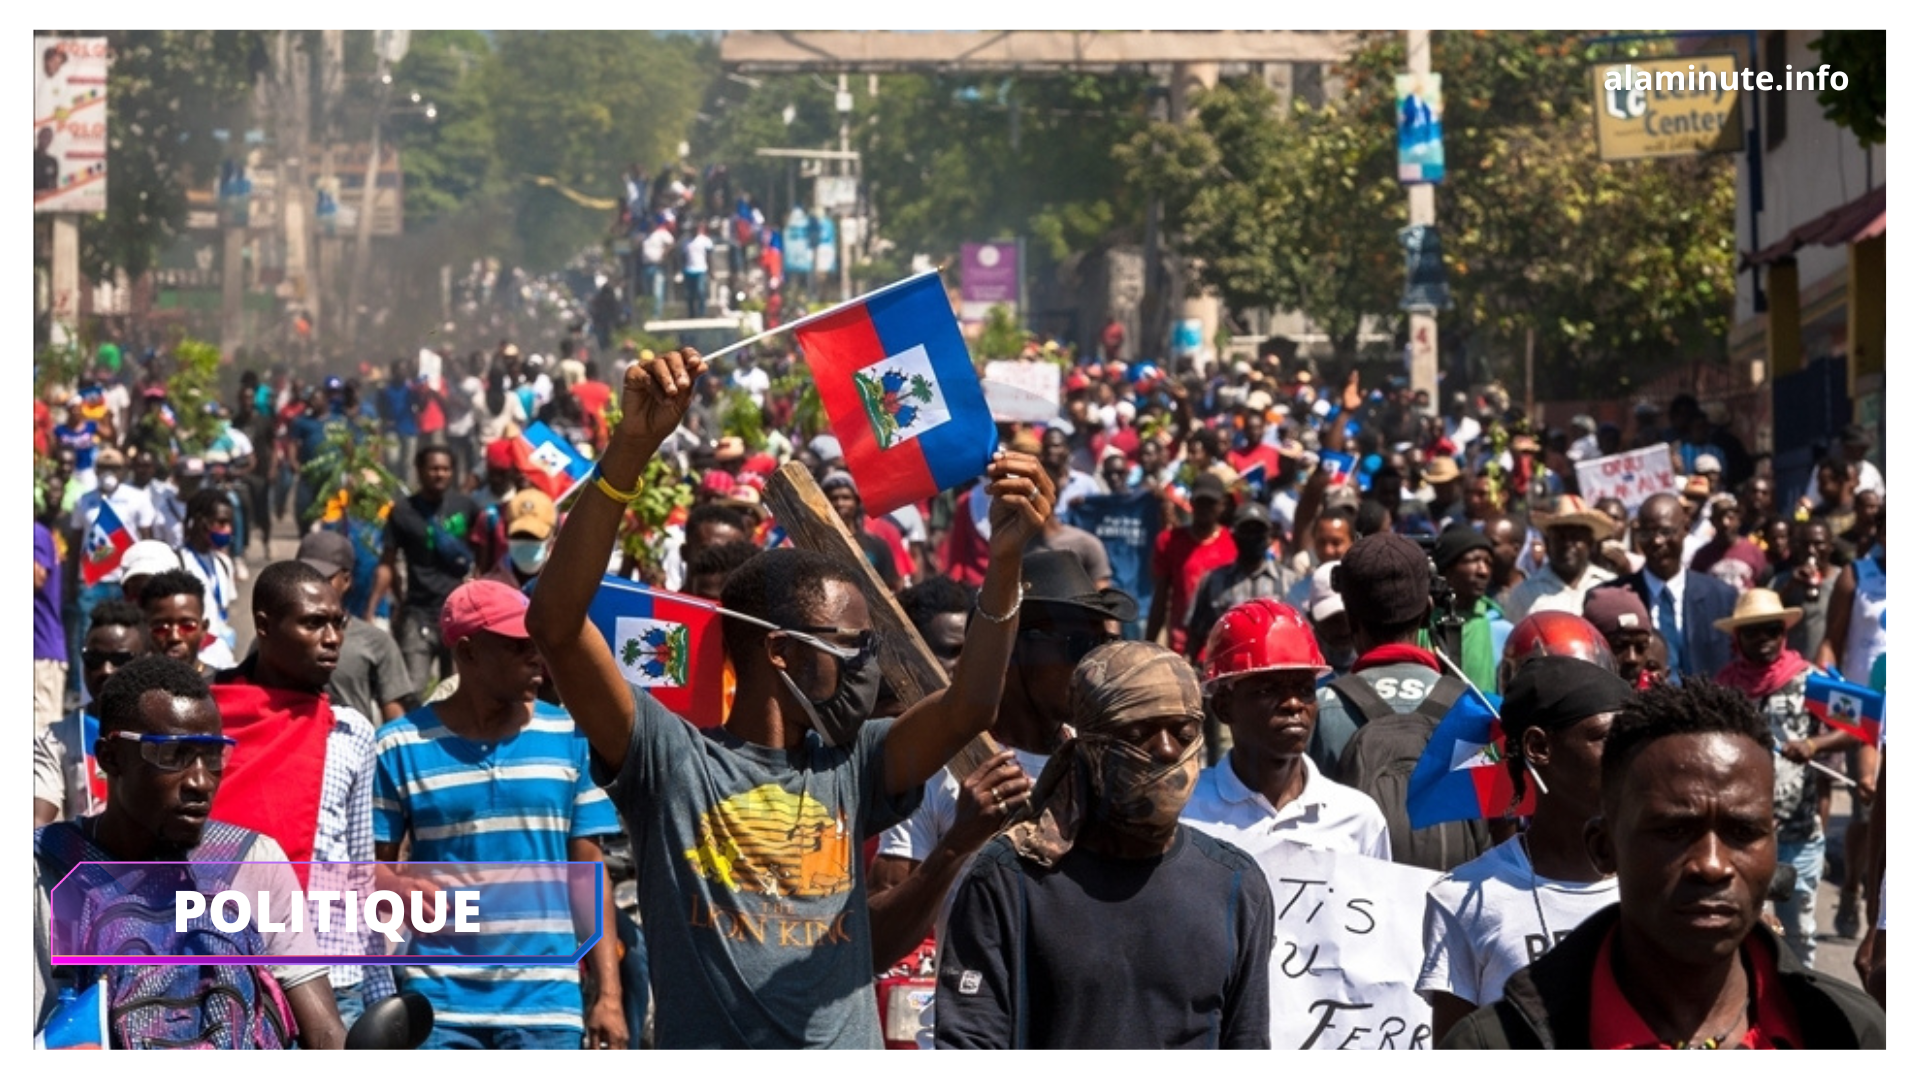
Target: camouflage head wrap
x,y
1115,685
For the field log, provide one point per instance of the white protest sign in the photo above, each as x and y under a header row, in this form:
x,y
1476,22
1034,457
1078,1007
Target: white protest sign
x,y
1346,951
1022,391
1632,477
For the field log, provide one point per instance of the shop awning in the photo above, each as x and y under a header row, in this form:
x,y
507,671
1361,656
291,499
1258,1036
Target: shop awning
x,y
1862,219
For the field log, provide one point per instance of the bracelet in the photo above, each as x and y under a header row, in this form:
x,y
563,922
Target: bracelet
x,y
999,620
614,493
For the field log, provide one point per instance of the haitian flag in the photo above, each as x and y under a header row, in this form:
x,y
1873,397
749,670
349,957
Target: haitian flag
x,y
89,739
900,392
668,645
104,545
1339,468
1463,774
548,461
1846,706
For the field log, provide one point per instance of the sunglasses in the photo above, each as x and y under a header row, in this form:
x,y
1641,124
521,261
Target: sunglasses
x,y
1076,645
94,658
178,626
176,753
854,656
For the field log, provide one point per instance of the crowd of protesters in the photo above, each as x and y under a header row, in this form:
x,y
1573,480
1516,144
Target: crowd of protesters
x,y
1199,612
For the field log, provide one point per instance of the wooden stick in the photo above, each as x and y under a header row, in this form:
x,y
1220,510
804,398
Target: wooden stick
x,y
803,511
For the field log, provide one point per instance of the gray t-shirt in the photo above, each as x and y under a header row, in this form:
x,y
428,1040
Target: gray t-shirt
x,y
751,885
371,671
1084,545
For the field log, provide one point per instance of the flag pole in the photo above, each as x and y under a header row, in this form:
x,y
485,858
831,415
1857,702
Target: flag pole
x,y
1462,676
803,320
1816,766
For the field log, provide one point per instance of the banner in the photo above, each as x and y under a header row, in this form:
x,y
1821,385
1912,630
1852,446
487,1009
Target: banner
x,y
70,125
1631,477
989,275
1423,158
1672,107
1346,951
1022,392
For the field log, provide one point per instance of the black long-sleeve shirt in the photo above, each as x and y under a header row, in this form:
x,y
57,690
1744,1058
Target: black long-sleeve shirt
x,y
1102,953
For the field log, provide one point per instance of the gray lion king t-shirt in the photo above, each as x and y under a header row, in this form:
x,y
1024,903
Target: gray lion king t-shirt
x,y
751,890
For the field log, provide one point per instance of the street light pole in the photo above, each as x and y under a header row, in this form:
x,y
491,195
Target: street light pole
x,y
1423,326
363,232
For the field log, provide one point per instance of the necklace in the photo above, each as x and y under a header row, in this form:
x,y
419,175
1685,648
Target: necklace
x,y
1533,887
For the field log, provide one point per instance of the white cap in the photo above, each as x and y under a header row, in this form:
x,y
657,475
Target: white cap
x,y
1322,601
1706,463
148,557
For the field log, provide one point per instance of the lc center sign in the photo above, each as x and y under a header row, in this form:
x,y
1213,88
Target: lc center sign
x,y
1669,107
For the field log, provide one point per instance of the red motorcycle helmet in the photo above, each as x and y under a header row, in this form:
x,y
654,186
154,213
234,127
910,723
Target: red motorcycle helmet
x,y
1261,635
1554,633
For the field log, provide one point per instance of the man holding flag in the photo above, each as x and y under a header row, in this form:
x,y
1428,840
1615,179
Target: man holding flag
x,y
749,836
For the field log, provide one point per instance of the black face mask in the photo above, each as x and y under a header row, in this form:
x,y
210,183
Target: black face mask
x,y
838,717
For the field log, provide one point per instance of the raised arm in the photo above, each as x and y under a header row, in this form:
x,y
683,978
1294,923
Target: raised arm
x,y
655,396
936,729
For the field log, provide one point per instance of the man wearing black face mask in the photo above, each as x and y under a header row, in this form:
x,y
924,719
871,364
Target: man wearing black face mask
x,y
1252,574
757,920
1097,919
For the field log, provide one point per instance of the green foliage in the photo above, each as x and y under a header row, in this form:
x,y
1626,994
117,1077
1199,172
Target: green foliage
x,y
808,414
643,533
194,385
450,162
1620,268
580,107
167,91
347,476
1001,337
741,417
1862,107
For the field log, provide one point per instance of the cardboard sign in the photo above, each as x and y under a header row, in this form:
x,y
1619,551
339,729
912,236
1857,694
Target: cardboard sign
x,y
1632,477
1346,951
1022,391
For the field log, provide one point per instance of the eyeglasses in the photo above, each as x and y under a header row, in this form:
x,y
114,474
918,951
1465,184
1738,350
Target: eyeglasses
x,y
181,626
94,658
1075,645
854,656
176,753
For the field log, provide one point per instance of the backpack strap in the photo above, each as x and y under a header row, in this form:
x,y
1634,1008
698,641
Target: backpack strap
x,y
1359,693
1441,698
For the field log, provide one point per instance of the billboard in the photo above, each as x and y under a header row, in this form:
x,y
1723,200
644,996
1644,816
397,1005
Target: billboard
x,y
69,125
989,275
1671,107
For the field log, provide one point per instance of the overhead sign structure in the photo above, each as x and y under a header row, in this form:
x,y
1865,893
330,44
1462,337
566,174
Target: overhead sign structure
x,y
70,125
1671,107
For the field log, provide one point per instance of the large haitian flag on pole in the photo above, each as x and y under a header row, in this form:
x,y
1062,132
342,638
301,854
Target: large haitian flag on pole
x,y
666,644
901,393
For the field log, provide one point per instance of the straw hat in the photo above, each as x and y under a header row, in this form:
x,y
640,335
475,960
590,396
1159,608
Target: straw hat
x,y
1442,470
1573,510
1757,606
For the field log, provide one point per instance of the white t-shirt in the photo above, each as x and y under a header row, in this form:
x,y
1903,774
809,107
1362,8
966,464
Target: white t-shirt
x,y
129,503
1327,815
916,837
699,246
653,250
1482,922
755,382
216,573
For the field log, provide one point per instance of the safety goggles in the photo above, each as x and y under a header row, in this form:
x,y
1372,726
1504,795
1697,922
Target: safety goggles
x,y
854,656
175,753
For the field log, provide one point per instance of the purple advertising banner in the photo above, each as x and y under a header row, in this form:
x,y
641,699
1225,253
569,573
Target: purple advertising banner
x,y
989,275
360,913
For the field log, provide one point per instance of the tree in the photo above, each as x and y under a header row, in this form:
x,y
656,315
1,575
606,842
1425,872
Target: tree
x,y
579,107
450,163
1862,107
167,92
1619,268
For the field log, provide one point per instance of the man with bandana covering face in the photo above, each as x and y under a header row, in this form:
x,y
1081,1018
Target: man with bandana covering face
x,y
1095,919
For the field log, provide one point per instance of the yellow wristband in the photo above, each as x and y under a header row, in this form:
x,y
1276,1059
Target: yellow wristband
x,y
614,493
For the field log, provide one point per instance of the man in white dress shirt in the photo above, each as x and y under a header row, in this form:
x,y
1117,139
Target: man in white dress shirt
x,y
1263,662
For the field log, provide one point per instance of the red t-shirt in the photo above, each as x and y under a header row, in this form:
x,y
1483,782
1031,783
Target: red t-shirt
x,y
967,551
1178,550
593,396
1259,455
1613,1023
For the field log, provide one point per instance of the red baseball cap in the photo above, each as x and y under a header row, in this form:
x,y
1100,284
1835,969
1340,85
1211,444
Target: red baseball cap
x,y
493,606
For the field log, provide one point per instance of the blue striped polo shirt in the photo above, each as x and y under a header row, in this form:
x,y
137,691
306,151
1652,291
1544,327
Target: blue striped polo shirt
x,y
517,800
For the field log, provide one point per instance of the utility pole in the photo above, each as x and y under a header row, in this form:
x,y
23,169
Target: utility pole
x,y
843,102
391,46
1195,305
1423,326
332,83
291,183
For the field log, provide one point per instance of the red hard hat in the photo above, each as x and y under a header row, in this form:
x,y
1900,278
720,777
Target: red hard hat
x,y
1261,635
1554,633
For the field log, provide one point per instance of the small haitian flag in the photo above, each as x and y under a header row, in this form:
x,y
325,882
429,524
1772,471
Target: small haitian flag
x,y
1846,706
104,545
1463,774
1338,467
668,645
901,393
548,461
